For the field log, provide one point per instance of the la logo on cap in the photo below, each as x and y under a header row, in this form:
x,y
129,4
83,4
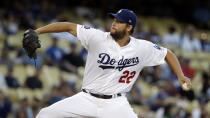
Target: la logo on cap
x,y
129,21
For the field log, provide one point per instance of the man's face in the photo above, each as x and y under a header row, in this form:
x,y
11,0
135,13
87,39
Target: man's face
x,y
118,29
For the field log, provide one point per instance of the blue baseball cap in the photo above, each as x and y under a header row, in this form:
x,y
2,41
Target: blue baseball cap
x,y
126,16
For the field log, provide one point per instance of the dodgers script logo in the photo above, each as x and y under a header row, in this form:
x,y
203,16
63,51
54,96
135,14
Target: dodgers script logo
x,y
106,62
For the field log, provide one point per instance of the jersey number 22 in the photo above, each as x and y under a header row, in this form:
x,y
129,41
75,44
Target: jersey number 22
x,y
127,76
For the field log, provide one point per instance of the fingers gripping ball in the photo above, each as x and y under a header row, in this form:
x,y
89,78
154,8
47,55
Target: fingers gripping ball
x,y
31,43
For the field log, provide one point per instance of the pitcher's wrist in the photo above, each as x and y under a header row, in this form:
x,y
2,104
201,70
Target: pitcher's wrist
x,y
37,31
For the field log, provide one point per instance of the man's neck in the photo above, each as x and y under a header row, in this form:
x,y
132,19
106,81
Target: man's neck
x,y
124,41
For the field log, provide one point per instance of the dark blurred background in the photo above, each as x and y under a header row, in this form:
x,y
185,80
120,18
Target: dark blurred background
x,y
180,25
188,11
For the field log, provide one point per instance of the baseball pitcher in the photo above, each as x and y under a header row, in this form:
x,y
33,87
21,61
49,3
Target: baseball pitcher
x,y
114,62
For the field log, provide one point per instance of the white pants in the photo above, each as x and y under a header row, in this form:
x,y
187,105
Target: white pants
x,y
83,105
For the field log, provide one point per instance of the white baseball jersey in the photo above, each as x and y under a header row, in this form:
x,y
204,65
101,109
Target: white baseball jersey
x,y
112,69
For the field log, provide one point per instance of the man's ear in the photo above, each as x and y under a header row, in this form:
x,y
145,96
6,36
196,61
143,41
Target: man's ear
x,y
129,28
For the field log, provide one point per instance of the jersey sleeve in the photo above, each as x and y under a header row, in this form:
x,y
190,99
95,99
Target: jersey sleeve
x,y
155,54
88,36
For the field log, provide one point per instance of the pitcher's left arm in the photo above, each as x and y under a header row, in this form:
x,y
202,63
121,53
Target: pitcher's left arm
x,y
173,62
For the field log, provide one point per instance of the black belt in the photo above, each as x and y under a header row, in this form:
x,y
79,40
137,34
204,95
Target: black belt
x,y
102,96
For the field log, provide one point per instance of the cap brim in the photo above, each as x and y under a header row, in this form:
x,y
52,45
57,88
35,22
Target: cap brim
x,y
112,15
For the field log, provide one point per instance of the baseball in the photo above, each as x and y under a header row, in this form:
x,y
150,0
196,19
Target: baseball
x,y
184,87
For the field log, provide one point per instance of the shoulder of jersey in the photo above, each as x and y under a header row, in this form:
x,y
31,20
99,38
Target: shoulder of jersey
x,y
142,44
141,41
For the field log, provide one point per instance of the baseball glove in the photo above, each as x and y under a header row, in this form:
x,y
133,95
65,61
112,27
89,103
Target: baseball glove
x,y
31,43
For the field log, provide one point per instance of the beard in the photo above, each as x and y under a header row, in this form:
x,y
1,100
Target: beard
x,y
118,35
